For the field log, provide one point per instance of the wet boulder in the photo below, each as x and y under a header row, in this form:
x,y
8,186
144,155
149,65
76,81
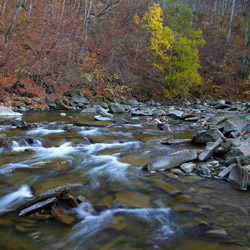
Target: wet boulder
x,y
173,160
61,216
205,136
235,124
176,113
116,108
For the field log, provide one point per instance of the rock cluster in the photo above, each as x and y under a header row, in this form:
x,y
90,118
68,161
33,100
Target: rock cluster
x,y
56,203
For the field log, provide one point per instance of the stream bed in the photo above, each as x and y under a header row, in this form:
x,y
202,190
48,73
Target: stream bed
x,y
103,161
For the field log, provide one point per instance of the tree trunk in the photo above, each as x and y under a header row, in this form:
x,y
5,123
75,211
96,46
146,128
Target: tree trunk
x,y
14,20
3,7
245,42
231,21
61,14
213,12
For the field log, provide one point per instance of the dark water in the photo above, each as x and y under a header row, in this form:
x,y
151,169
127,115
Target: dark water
x,y
136,209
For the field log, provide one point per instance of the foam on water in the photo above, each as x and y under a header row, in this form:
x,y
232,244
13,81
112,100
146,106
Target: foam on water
x,y
108,168
11,200
44,131
89,228
17,146
94,148
8,168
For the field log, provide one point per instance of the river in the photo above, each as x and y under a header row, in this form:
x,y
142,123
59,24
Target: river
x,y
103,162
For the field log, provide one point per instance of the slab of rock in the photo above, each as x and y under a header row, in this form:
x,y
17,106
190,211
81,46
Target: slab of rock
x,y
169,188
209,150
176,113
176,141
62,217
239,177
116,108
226,171
141,112
79,100
49,194
37,206
235,124
173,160
188,167
101,118
6,112
243,150
210,135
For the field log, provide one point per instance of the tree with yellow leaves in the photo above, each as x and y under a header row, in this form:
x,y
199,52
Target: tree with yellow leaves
x,y
174,52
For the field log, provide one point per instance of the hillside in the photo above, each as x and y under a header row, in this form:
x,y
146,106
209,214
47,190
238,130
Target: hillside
x,y
105,48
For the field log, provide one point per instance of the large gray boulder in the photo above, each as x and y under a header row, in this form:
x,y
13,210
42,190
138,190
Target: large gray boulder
x,y
173,160
206,136
79,100
235,124
117,108
6,112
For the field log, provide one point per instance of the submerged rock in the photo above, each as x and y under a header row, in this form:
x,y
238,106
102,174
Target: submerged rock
x,y
62,217
173,160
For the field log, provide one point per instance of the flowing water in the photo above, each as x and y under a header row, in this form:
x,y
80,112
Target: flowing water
x,y
135,209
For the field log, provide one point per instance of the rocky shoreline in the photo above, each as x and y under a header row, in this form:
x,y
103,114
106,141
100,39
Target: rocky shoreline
x,y
223,132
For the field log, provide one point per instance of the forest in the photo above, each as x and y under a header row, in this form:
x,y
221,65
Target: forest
x,y
168,49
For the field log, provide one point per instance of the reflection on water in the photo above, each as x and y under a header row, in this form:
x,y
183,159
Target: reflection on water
x,y
134,209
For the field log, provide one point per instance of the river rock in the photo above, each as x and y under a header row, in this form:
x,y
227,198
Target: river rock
x,y
210,135
103,112
209,150
79,100
62,217
235,124
141,112
101,118
188,167
133,199
6,112
169,188
70,200
239,176
242,150
204,171
176,141
173,160
226,171
37,206
116,108
89,109
176,113
49,194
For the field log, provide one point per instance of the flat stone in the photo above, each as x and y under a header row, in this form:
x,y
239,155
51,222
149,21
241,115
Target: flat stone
x,y
173,160
176,141
101,118
209,150
226,171
176,113
217,233
169,188
69,199
133,199
190,178
62,217
37,206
